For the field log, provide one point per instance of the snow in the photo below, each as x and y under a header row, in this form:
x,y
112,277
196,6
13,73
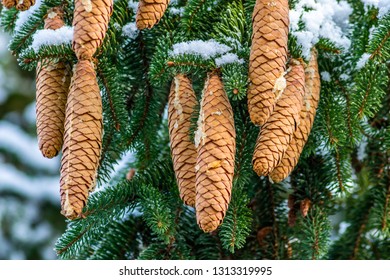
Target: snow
x,y
228,58
205,49
25,147
362,61
49,37
344,77
177,11
130,30
325,76
322,19
24,16
133,5
382,5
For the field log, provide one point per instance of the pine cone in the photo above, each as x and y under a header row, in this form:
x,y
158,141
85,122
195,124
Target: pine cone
x,y
308,112
150,12
9,3
54,18
181,104
216,144
90,23
52,86
277,132
23,5
268,55
82,140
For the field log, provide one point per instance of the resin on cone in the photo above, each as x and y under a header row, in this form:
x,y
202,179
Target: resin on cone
x,y
82,140
308,112
182,100
90,24
52,86
268,55
23,5
277,132
9,3
150,12
216,144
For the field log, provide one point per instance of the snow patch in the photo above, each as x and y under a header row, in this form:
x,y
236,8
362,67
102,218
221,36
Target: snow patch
x,y
228,58
362,61
49,37
130,30
382,5
205,49
325,76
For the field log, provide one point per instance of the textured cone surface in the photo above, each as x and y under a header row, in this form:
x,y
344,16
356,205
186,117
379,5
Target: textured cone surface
x,y
215,141
24,4
9,3
90,24
277,132
54,18
82,140
150,12
308,112
52,86
181,104
268,55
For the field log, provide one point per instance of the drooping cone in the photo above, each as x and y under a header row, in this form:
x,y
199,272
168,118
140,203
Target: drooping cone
x,y
52,86
181,104
308,112
150,12
9,3
216,144
268,55
277,132
82,140
90,23
23,5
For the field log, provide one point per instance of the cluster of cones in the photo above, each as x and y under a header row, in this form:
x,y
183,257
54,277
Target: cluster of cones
x,y
204,167
21,5
69,107
282,95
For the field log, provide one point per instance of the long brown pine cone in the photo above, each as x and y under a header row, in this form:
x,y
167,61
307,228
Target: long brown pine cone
x,y
268,55
216,144
82,140
150,12
52,86
308,112
90,23
277,132
9,3
23,5
182,100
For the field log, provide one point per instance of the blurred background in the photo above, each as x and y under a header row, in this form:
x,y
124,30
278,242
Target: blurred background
x,y
30,220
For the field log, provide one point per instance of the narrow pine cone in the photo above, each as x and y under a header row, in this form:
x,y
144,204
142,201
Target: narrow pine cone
x,y
82,140
181,104
308,112
150,12
54,18
52,85
23,5
277,132
268,55
90,23
216,144
9,3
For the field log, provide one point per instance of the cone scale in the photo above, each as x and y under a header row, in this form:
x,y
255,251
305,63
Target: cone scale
x,y
182,101
23,5
215,142
267,60
150,12
9,3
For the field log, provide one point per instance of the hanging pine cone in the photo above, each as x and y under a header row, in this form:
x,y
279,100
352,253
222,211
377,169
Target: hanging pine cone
x,y
268,55
52,86
23,5
150,12
90,23
215,141
82,140
308,112
181,104
276,133
9,3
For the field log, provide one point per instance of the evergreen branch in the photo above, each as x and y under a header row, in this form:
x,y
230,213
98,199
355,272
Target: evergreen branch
x,y
338,169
